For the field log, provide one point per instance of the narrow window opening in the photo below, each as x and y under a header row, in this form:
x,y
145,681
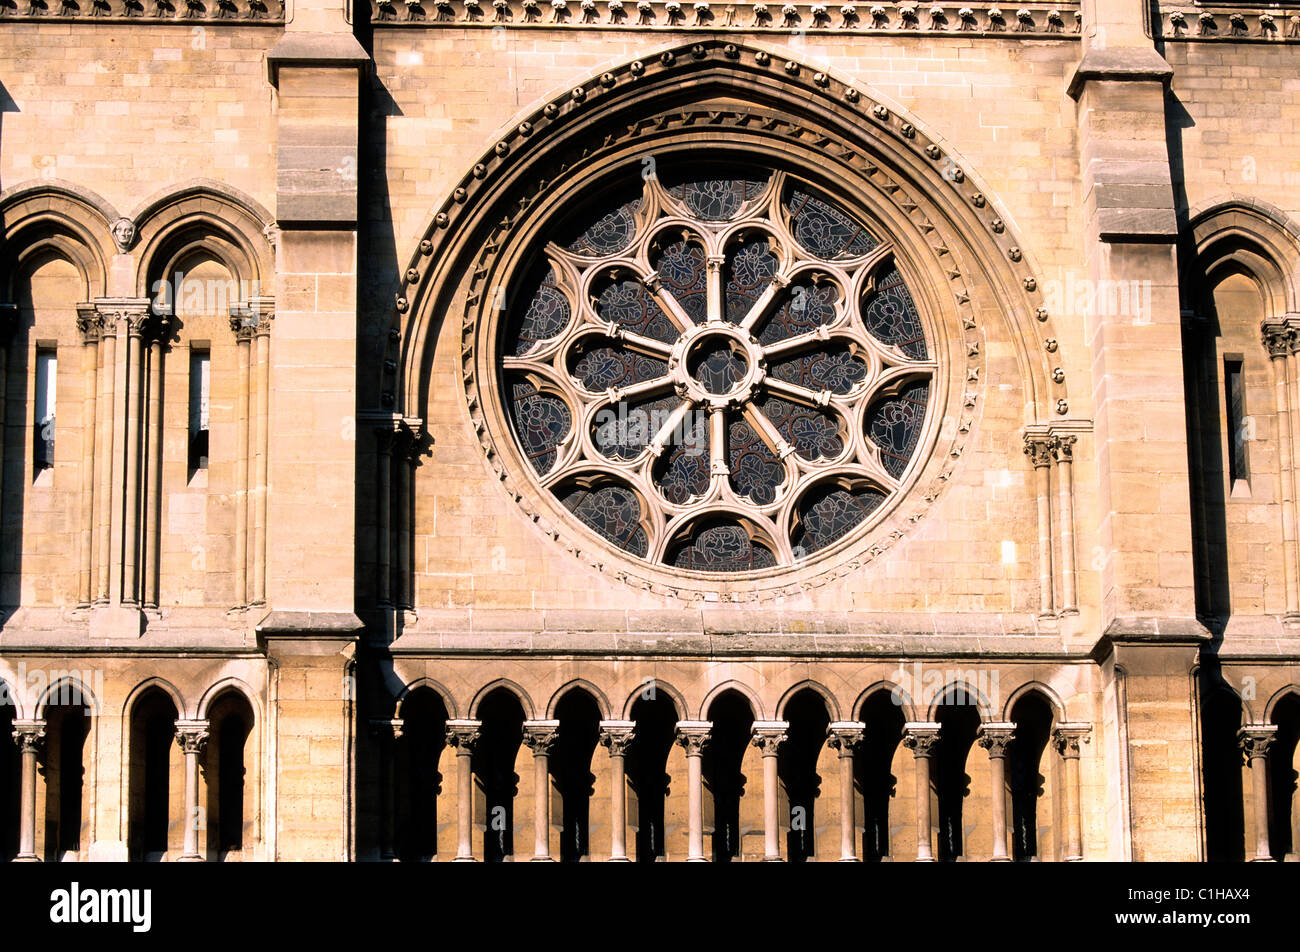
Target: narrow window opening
x,y
43,424
200,383
1238,426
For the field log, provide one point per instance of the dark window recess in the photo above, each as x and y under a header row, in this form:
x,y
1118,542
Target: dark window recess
x,y
43,429
200,380
1235,387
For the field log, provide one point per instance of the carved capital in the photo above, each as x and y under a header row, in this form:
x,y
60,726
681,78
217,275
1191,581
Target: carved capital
x,y
540,736
29,735
693,736
253,318
463,734
1279,337
90,324
920,737
1255,739
845,736
617,735
768,736
385,728
192,735
1067,738
1039,450
996,738
1063,448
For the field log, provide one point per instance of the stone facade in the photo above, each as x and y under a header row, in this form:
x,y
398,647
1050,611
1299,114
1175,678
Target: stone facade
x,y
286,581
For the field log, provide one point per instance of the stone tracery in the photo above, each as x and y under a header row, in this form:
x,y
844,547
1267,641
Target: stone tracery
x,y
723,373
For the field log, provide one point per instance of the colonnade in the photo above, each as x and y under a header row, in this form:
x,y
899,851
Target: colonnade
x,y
463,735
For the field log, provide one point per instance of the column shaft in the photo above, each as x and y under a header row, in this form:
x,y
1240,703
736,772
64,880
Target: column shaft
x,y
90,382
260,467
153,474
131,503
242,347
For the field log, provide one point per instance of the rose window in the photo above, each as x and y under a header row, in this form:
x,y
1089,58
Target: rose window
x,y
720,370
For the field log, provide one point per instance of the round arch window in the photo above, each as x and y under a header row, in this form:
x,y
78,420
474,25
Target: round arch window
x,y
717,369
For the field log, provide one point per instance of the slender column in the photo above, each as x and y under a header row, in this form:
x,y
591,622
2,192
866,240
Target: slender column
x,y
463,735
412,450
105,449
1292,462
8,325
920,738
241,324
693,736
29,735
192,737
844,737
540,737
136,319
384,514
768,737
1039,451
153,465
1255,740
1063,453
386,734
89,324
264,314
716,298
995,738
617,735
1067,738
1278,341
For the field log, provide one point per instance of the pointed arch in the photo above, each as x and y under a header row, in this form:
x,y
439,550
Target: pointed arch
x,y
898,694
1036,687
182,709
580,684
961,687
52,216
520,694
832,705
208,217
56,688
224,686
1270,708
675,696
1251,235
426,683
731,684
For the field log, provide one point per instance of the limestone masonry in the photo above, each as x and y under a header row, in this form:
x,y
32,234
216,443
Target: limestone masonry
x,y
615,430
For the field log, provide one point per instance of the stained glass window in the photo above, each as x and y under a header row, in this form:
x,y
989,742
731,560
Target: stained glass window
x,y
716,399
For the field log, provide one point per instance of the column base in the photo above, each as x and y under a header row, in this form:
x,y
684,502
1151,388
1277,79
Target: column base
x,y
848,859
1262,859
1000,859
542,859
1074,859
28,858
697,859
190,859
464,859
773,859
925,859
619,859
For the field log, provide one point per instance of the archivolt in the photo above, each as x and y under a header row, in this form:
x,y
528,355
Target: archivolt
x,y
956,252
61,218
861,141
1253,236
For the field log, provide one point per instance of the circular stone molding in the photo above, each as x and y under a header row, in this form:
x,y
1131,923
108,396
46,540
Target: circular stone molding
x,y
521,185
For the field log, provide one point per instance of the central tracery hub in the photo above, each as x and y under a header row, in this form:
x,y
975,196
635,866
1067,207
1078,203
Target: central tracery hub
x,y
718,364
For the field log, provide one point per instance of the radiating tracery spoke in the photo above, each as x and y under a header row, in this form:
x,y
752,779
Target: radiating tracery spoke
x,y
689,372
